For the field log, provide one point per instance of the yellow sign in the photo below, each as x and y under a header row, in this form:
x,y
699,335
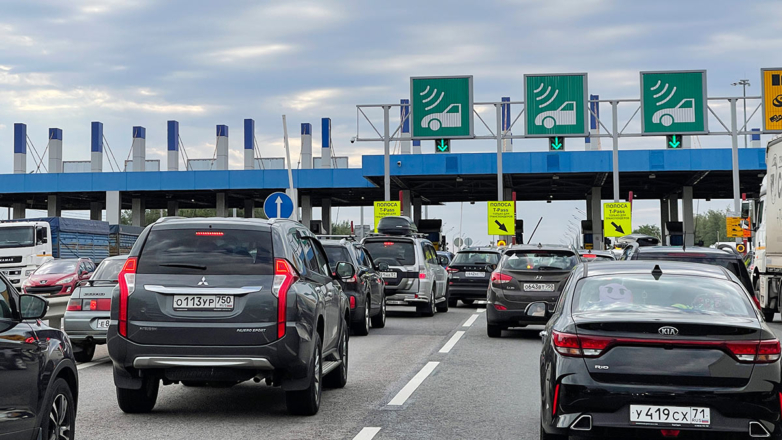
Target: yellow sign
x,y
617,219
502,218
741,248
588,246
772,99
386,209
501,243
734,228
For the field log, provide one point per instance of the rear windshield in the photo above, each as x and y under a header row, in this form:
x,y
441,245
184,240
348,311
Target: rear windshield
x,y
669,294
476,258
336,254
108,270
54,267
539,260
393,253
207,252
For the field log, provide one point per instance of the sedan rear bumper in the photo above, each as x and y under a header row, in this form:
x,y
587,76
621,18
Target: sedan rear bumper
x,y
511,318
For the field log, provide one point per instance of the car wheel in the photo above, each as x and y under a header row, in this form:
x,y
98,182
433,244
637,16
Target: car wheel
x,y
546,436
442,307
339,377
58,421
494,331
549,122
434,125
362,328
379,320
141,400
468,302
86,352
666,120
307,402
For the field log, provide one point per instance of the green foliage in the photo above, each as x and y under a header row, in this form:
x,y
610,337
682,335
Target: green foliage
x,y
651,230
341,228
710,227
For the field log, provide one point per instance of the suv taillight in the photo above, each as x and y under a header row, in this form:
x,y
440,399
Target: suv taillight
x,y
500,278
452,269
127,284
284,277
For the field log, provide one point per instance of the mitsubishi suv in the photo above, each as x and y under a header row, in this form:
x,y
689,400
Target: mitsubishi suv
x,y
218,301
409,267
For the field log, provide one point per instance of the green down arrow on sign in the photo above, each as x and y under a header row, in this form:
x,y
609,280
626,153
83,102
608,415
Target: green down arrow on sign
x,y
674,141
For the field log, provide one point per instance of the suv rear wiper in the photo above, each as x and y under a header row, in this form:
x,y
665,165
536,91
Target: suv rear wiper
x,y
184,265
549,268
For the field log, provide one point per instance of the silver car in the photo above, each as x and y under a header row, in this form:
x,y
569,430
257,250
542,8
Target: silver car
x,y
89,310
411,272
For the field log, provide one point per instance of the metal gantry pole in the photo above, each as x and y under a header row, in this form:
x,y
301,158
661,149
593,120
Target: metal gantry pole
x,y
615,136
386,153
735,156
500,191
744,86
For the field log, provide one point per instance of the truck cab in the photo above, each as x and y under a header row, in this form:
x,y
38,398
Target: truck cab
x,y
23,247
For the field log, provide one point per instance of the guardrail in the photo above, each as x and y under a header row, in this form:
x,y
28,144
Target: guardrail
x,y
57,306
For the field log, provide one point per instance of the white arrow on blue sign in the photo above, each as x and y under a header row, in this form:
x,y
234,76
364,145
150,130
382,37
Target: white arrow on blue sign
x,y
278,205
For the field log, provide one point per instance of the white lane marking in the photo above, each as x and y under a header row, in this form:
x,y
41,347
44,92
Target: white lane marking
x,y
471,320
451,342
480,310
367,434
408,390
92,364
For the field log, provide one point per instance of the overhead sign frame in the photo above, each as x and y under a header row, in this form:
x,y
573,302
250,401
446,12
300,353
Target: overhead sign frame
x,y
617,216
414,124
675,130
763,99
579,108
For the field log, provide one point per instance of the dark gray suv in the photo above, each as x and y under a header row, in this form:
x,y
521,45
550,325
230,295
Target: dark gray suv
x,y
218,301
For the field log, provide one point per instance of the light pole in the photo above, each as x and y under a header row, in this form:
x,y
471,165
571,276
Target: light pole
x,y
744,83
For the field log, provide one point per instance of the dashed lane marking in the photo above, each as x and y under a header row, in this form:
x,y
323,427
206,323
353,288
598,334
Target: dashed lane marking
x,y
92,364
408,390
471,320
451,342
367,434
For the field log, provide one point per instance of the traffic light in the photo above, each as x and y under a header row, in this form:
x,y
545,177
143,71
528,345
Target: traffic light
x,y
556,143
519,231
442,146
673,141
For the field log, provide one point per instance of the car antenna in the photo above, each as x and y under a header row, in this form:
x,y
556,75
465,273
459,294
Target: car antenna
x,y
657,272
529,240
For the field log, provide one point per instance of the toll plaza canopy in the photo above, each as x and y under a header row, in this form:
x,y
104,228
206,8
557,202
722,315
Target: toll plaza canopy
x,y
435,178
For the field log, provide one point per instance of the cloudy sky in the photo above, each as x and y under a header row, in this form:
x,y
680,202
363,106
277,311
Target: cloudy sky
x,y
142,62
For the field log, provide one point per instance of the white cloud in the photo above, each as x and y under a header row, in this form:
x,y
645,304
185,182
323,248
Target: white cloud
x,y
23,79
243,53
10,37
48,100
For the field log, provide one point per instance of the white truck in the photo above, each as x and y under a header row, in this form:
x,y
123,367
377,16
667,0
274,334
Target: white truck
x,y
766,216
25,244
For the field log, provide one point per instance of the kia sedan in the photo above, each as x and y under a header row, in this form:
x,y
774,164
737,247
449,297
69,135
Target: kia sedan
x,y
657,349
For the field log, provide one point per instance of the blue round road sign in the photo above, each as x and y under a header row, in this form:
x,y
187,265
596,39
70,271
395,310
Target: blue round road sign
x,y
278,205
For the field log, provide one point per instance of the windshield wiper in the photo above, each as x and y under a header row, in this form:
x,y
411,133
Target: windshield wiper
x,y
549,268
184,265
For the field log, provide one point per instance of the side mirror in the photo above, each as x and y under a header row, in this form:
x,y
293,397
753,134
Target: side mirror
x,y
443,261
33,306
383,267
537,310
345,270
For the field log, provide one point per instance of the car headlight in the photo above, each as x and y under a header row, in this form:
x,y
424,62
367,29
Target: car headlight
x,y
29,272
66,281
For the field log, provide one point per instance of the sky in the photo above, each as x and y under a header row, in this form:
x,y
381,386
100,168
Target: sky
x,y
143,62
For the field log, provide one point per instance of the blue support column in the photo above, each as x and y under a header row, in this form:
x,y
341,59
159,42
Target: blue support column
x,y
249,144
173,145
96,147
20,148
325,151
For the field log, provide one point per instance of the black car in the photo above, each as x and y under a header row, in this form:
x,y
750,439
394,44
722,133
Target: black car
x,y
658,349
526,274
39,384
365,289
217,301
729,259
469,273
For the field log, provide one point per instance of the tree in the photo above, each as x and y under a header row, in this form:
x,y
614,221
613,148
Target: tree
x,y
710,227
341,228
651,230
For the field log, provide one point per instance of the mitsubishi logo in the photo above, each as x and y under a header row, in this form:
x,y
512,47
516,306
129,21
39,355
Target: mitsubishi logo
x,y
203,282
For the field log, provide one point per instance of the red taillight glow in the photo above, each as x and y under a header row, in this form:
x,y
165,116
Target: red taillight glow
x,y
99,305
762,352
388,243
284,277
352,302
421,275
589,256
669,433
209,234
74,305
756,301
352,279
127,284
452,269
500,307
556,398
500,278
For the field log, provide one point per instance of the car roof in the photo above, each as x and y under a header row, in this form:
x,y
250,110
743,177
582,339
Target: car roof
x,y
480,249
239,221
712,252
635,267
539,246
594,252
343,243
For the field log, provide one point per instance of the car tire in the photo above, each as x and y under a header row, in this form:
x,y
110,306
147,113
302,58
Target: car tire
x,y
453,302
86,352
494,331
307,402
58,415
442,307
379,320
546,436
429,309
141,400
768,314
339,377
362,328
468,302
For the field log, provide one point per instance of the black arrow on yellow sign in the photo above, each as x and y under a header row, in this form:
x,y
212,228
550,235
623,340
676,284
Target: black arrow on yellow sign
x,y
501,225
618,228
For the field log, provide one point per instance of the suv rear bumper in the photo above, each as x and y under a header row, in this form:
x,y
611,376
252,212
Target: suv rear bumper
x,y
461,291
286,360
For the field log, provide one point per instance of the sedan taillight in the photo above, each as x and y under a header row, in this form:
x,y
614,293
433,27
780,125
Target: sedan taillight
x,y
452,269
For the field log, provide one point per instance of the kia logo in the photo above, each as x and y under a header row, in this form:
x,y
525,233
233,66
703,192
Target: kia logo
x,y
668,331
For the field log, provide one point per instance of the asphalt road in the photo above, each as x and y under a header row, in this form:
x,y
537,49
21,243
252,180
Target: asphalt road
x,y
479,388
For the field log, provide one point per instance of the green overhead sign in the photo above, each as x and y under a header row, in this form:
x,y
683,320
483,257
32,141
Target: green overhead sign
x,y
674,102
555,105
441,107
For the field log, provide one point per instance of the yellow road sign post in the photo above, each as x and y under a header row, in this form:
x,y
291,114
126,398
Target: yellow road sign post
x,y
772,99
617,219
733,226
501,218
386,209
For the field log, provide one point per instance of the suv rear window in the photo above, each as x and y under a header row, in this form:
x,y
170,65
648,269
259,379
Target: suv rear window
x,y
108,270
476,258
336,254
539,260
393,253
207,252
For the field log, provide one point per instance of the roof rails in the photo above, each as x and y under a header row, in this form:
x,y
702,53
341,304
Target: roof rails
x,y
414,234
337,237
